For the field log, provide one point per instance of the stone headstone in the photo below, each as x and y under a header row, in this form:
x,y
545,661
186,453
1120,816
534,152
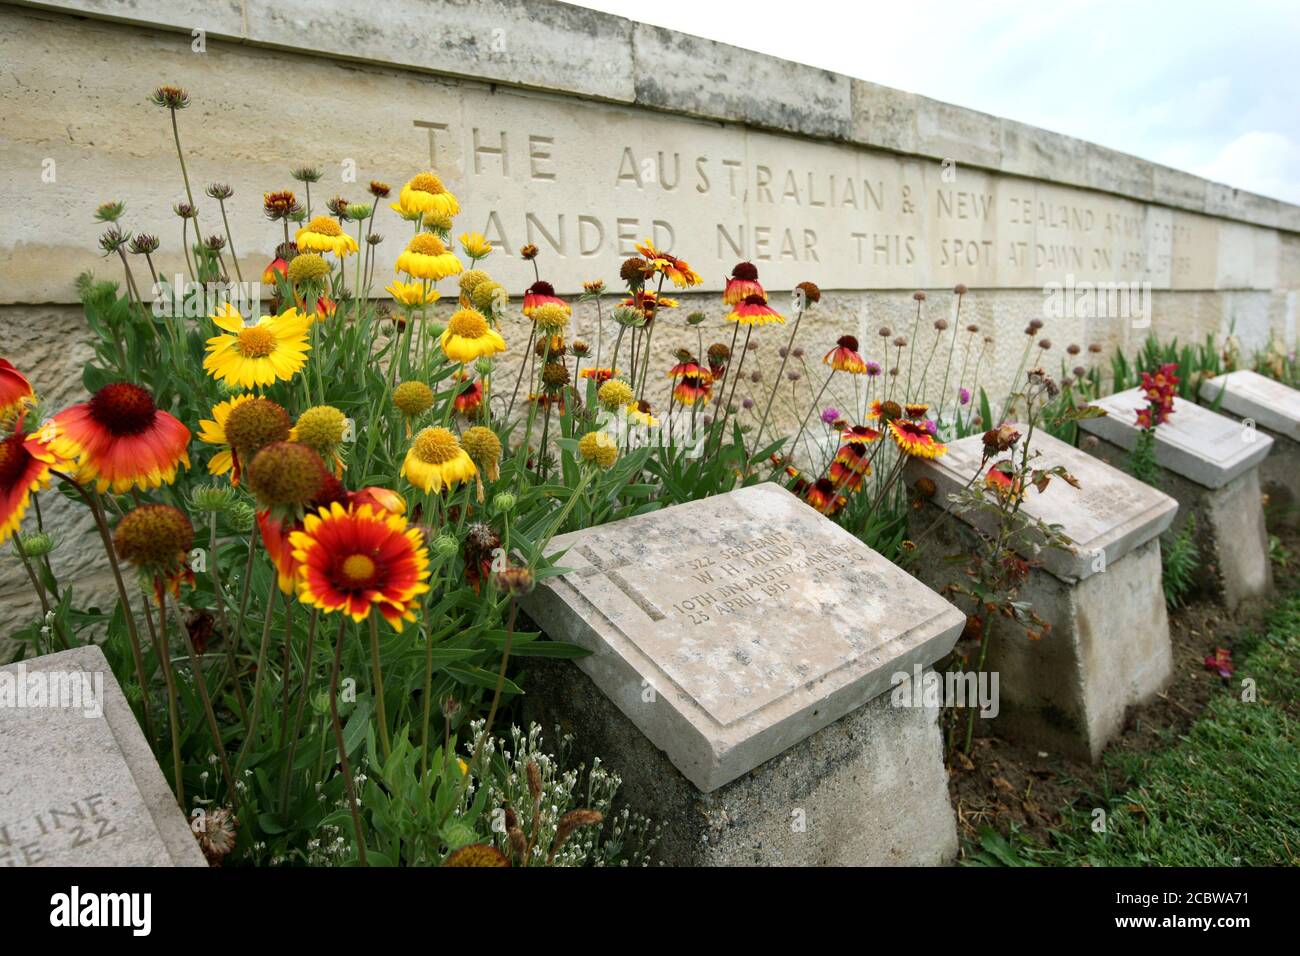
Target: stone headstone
x,y
1266,402
1107,648
1202,446
1211,467
79,784
732,633
1271,409
1106,517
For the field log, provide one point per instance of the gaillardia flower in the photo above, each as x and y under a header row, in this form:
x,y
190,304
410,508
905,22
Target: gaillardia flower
x,y
475,244
357,559
542,293
323,234
844,357
754,310
16,392
823,496
693,383
156,539
677,270
121,439
484,449
742,284
468,337
425,257
426,194
412,294
213,432
914,438
436,460
599,449
272,350
25,464
469,395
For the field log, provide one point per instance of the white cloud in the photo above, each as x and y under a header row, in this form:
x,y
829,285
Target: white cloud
x,y
1258,161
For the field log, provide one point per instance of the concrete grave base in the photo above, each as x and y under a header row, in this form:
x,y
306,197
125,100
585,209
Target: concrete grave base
x,y
1108,649
1279,479
869,789
1229,534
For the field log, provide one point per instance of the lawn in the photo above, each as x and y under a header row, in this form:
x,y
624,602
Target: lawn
x,y
1224,793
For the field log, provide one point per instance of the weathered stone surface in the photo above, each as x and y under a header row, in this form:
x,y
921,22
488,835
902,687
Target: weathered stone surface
x,y
1205,447
1228,526
729,629
532,45
1273,410
527,168
870,789
1107,647
80,786
1259,399
1108,516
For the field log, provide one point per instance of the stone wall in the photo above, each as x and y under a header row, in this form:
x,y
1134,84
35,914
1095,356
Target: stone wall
x,y
583,133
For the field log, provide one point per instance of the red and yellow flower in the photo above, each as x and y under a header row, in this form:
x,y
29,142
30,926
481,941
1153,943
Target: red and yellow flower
x,y
356,559
823,496
677,270
754,310
16,393
649,302
276,268
742,284
542,293
913,438
25,465
998,479
693,383
470,396
844,357
121,440
602,374
276,530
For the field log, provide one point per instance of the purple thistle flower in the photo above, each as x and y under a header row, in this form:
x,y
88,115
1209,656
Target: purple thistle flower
x,y
873,369
830,415
964,395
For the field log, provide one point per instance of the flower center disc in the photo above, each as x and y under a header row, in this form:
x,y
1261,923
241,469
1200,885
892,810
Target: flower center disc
x,y
468,324
12,459
427,244
123,408
256,342
359,569
435,446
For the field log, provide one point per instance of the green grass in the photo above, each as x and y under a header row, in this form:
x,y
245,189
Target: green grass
x,y
1227,793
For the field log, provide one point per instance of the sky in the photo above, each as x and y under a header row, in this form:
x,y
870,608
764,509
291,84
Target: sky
x,y
1210,88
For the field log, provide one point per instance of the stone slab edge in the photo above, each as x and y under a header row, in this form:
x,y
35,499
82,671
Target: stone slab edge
x,y
1071,565
136,753
1244,406
1182,461
619,667
558,47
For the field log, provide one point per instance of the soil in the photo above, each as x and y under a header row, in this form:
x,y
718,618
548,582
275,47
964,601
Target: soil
x,y
1003,783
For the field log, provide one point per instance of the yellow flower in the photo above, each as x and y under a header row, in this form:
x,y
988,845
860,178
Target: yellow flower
x,y
272,350
412,293
599,449
213,431
435,460
638,413
323,234
468,337
615,394
426,257
425,194
413,398
475,244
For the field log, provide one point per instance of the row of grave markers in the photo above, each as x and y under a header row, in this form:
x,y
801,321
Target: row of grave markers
x,y
744,652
